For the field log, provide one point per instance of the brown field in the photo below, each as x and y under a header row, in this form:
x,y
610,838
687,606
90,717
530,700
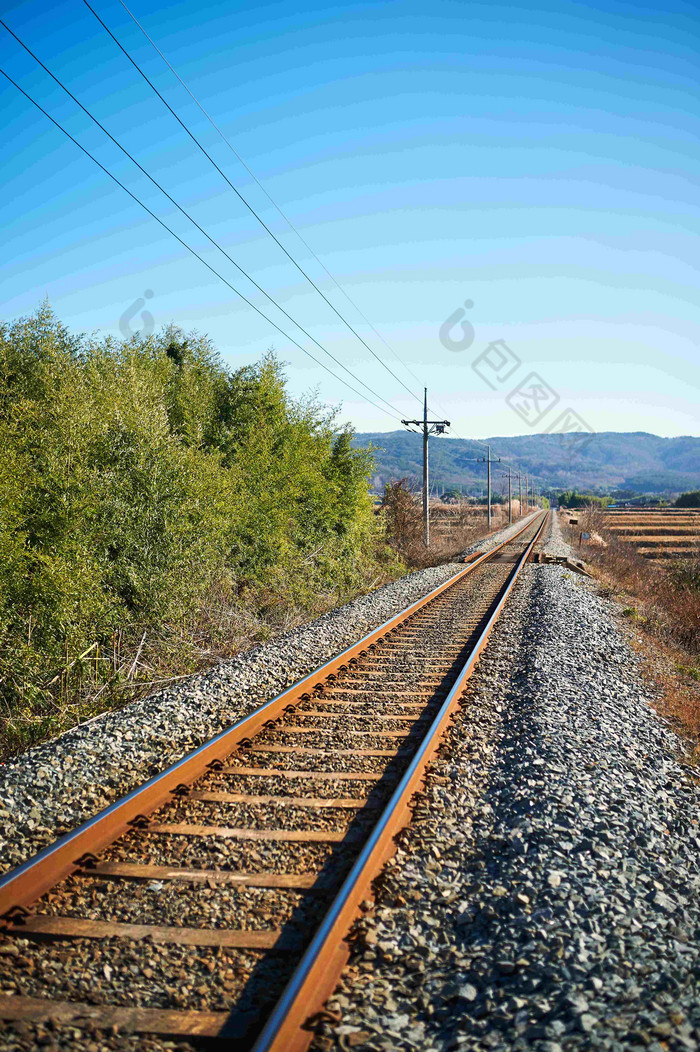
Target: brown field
x,y
659,533
655,533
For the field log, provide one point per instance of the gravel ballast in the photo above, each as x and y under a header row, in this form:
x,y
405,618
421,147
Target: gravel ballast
x,y
546,896
490,542
55,786
556,545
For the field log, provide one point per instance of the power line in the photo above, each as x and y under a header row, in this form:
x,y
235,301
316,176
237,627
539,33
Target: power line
x,y
184,243
267,194
250,208
192,220
455,434
272,201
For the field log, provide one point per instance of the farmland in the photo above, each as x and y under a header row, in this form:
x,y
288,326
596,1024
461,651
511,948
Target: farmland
x,y
655,533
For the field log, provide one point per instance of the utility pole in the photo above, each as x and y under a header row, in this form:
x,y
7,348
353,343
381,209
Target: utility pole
x,y
488,461
510,495
430,427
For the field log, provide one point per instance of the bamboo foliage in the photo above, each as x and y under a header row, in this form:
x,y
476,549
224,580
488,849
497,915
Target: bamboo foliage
x,y
152,500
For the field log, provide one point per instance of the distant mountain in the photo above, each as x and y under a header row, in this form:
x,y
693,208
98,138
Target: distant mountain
x,y
596,463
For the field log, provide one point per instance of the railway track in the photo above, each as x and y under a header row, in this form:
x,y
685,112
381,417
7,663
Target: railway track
x,y
213,903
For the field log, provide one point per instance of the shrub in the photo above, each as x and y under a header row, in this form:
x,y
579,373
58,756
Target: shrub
x,y
452,528
572,499
139,479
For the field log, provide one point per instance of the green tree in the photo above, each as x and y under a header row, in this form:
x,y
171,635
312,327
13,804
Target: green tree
x,y
689,500
138,477
572,499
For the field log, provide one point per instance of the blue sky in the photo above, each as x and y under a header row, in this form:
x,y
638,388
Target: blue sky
x,y
540,161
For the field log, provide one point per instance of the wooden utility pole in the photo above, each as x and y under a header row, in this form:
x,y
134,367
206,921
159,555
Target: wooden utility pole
x,y
426,476
510,494
430,427
488,461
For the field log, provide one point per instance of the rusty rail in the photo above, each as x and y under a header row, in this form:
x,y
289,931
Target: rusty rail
x,y
28,882
316,976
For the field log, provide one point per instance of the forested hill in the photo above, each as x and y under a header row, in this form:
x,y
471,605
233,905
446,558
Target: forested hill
x,y
609,460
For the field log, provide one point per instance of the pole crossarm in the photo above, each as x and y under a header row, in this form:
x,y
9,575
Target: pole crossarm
x,y
435,427
428,428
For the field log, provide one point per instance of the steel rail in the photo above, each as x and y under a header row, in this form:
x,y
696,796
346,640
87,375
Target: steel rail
x,y
26,883
317,974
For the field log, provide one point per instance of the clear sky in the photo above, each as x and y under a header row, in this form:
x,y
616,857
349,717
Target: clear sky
x,y
538,160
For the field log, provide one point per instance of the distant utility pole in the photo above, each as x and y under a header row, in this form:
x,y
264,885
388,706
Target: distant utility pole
x,y
430,427
488,461
509,476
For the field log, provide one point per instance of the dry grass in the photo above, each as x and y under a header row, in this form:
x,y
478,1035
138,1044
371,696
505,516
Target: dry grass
x,y
148,659
676,684
663,533
666,595
453,527
661,614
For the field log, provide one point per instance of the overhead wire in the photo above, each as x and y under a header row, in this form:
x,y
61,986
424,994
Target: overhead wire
x,y
189,248
243,200
514,470
188,216
274,204
267,194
